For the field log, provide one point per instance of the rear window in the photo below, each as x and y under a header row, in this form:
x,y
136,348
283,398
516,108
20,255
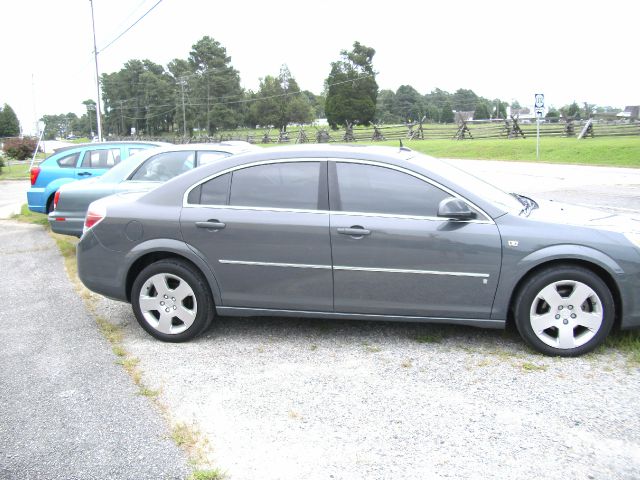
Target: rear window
x,y
69,161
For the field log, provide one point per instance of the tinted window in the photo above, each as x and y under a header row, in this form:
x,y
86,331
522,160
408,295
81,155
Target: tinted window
x,y
101,158
207,157
69,161
164,166
371,189
279,185
213,192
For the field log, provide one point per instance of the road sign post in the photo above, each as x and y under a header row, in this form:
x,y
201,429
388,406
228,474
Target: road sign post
x,y
539,106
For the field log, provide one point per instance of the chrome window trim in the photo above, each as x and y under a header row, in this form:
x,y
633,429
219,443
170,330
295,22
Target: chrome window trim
x,y
353,269
186,204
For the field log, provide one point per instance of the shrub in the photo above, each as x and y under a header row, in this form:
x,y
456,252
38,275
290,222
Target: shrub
x,y
20,148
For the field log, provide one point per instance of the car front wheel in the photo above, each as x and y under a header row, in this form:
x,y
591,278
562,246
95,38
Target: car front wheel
x,y
565,311
171,301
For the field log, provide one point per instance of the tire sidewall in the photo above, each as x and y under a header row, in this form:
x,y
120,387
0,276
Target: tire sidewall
x,y
536,283
200,289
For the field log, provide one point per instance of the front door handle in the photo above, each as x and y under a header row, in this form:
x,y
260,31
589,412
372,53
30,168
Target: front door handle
x,y
84,174
354,231
211,224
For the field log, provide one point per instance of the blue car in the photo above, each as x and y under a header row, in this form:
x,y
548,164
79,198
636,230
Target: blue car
x,y
76,162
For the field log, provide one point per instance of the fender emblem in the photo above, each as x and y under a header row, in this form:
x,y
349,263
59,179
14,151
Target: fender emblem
x,y
513,243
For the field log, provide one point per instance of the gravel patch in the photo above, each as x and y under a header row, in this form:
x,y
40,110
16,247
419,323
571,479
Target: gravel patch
x,y
317,399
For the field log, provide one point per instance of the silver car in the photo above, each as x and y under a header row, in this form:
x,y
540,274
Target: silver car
x,y
140,172
360,233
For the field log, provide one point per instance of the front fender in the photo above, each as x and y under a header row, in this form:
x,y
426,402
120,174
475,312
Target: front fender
x,y
570,252
512,274
178,248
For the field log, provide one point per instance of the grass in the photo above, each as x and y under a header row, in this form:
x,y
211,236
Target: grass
x,y
606,151
207,475
532,367
627,342
27,216
429,338
15,171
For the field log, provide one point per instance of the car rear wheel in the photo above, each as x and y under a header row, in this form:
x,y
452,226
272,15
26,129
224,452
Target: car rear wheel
x,y
564,311
171,301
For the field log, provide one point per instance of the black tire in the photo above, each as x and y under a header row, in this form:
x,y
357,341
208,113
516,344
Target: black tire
x,y
567,316
50,204
185,292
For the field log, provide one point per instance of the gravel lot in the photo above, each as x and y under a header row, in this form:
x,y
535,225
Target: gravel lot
x,y
316,399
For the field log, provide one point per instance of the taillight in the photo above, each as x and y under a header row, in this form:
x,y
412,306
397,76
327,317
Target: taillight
x,y
56,197
95,215
35,171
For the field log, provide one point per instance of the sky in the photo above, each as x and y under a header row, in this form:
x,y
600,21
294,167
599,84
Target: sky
x,y
566,49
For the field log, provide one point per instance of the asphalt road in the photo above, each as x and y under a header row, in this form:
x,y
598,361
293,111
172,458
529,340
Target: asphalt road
x,y
67,411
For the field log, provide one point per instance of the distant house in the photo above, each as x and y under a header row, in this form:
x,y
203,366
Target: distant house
x,y
631,112
525,115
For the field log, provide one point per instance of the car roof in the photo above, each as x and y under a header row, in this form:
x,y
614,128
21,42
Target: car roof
x,y
107,144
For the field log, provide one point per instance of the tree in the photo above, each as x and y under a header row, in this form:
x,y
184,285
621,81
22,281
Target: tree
x,y
9,124
572,110
140,96
384,107
408,104
515,105
280,102
351,88
464,100
481,112
446,114
552,115
215,86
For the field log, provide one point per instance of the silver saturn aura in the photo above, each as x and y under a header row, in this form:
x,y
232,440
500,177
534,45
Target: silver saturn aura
x,y
360,233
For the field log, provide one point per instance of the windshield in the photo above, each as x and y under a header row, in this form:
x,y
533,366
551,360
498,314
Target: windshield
x,y
471,183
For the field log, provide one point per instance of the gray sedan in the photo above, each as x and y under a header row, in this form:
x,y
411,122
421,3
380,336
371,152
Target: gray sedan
x,y
140,172
360,233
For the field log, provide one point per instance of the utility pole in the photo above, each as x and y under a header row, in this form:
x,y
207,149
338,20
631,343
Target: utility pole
x,y
95,54
183,81
122,117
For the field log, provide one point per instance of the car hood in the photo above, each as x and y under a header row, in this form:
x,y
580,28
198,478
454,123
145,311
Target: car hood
x,y
566,214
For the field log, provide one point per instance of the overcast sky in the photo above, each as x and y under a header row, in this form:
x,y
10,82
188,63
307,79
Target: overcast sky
x,y
568,50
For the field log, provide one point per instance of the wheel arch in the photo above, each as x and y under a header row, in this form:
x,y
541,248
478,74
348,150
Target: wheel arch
x,y
598,270
157,254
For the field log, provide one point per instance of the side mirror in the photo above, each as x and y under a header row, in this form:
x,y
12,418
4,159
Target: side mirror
x,y
455,209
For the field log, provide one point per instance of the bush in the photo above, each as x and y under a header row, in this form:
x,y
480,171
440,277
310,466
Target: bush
x,y
20,148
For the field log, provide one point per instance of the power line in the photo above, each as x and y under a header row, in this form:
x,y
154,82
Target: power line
x,y
129,28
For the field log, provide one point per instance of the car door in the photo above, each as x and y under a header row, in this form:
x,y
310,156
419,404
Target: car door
x,y
264,231
392,255
96,161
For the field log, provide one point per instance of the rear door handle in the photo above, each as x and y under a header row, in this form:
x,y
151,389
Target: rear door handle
x,y
211,224
355,231
84,174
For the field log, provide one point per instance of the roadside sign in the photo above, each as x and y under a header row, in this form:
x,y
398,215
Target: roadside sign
x,y
539,112
539,100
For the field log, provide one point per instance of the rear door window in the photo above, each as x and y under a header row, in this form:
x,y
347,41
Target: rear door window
x,y
291,185
103,158
205,158
164,166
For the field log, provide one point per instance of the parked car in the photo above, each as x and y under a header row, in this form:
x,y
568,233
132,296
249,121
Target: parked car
x,y
360,233
76,162
142,171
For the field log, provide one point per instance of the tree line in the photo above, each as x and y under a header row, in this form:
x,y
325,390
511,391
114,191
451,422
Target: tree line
x,y
202,95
